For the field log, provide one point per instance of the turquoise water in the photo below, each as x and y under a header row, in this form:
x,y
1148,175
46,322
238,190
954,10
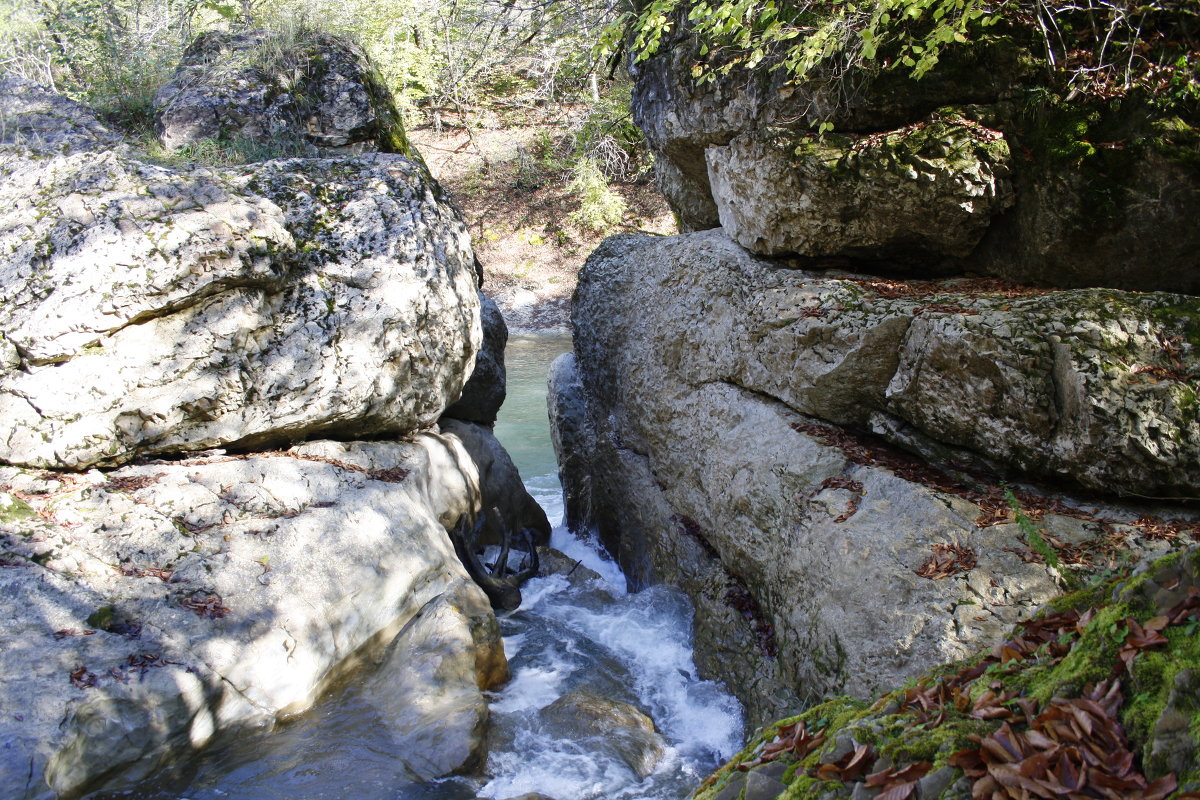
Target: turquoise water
x,y
522,426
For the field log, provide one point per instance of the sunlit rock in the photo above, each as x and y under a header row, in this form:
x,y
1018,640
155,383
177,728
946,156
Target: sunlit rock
x,y
311,93
921,193
195,596
153,311
821,561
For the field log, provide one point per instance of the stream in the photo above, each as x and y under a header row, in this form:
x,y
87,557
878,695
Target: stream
x,y
569,634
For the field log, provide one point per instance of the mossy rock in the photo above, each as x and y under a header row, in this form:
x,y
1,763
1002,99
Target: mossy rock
x,y
1160,715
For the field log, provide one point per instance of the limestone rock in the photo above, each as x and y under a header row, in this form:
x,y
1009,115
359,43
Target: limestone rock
x,y
1105,191
427,689
154,311
47,123
317,94
196,596
1123,218
485,390
500,484
924,192
1095,386
609,725
682,119
703,368
570,430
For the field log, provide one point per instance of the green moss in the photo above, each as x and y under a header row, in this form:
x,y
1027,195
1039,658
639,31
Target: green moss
x,y
1152,676
805,788
1090,660
13,509
904,741
101,618
1182,317
834,715
1081,599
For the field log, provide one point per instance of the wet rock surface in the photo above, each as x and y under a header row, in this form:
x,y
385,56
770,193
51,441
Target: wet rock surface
x,y
609,725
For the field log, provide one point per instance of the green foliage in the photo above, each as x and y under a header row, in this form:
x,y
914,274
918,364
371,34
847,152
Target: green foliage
x,y
1033,536
608,136
112,54
600,208
808,37
1105,48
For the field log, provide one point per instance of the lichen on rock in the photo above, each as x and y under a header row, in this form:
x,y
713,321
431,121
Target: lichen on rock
x,y
916,195
315,93
260,305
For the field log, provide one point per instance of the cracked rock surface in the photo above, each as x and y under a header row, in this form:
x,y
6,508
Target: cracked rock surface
x,y
927,191
318,94
692,408
145,310
166,601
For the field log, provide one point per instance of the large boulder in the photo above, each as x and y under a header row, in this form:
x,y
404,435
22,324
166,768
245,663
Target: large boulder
x,y
682,117
310,93
820,560
163,603
144,310
1104,191
917,195
609,726
1094,386
426,691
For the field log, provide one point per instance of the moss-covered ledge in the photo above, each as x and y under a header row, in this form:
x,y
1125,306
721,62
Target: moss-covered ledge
x,y
1121,658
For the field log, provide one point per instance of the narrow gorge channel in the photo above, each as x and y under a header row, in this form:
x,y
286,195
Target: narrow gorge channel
x,y
576,632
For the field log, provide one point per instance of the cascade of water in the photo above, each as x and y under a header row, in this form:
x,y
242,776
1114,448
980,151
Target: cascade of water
x,y
574,633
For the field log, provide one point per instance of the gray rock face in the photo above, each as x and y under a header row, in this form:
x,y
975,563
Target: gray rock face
x,y
427,689
1126,220
682,120
195,596
485,390
46,122
1094,386
318,93
570,430
921,193
148,311
702,369
1121,216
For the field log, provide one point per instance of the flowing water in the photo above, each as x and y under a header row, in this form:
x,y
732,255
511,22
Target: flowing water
x,y
570,633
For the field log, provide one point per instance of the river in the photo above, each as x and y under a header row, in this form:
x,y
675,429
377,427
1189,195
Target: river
x,y
567,635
